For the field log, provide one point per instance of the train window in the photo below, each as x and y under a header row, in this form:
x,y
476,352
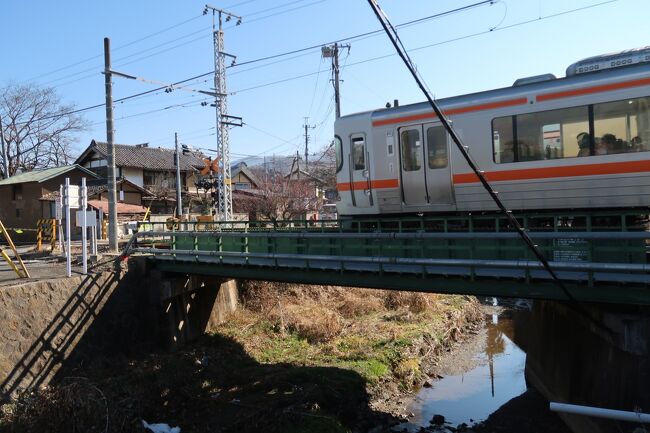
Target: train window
x,y
359,153
550,134
502,139
618,127
539,136
411,150
437,147
338,150
622,126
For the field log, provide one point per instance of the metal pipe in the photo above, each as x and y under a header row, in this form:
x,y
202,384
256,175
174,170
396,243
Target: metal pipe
x,y
598,412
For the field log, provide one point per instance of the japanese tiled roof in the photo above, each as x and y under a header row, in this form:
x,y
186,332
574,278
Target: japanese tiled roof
x,y
148,158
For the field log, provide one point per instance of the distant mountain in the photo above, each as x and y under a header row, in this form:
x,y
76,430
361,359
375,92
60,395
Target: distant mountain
x,y
279,163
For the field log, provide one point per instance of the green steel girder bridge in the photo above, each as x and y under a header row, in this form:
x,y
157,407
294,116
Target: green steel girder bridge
x,y
600,257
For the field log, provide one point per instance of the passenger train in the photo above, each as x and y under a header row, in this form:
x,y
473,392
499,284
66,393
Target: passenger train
x,y
578,142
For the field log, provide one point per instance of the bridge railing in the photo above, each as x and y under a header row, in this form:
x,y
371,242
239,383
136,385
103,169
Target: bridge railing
x,y
586,256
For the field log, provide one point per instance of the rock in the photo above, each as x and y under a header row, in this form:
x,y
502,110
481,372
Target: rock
x,y
438,419
428,383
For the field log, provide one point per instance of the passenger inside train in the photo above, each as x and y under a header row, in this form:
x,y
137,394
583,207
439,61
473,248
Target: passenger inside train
x,y
584,143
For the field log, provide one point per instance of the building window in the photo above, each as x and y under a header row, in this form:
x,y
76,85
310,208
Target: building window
x,y
19,212
17,192
149,177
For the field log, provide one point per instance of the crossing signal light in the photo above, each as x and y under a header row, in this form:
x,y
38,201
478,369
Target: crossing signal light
x,y
210,165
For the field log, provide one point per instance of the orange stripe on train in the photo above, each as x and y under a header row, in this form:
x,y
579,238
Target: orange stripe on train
x,y
361,185
519,101
468,109
593,89
563,171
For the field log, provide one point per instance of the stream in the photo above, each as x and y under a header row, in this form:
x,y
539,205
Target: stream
x,y
471,396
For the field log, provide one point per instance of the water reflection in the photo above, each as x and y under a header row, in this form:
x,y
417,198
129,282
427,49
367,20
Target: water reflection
x,y
474,395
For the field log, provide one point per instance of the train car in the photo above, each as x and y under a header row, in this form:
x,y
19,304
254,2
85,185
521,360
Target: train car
x,y
578,142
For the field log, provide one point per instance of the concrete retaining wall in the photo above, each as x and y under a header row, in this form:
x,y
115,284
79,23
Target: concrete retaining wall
x,y
50,326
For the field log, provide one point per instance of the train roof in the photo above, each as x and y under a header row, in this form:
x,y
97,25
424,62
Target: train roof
x,y
627,64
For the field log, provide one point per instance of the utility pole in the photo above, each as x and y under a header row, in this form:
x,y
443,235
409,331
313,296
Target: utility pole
x,y
3,146
177,161
112,194
224,200
332,51
307,127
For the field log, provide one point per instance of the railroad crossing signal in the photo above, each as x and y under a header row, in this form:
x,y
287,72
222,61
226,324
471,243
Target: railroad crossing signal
x,y
210,166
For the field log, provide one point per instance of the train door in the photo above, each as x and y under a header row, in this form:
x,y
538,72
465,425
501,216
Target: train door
x,y
360,184
413,173
438,168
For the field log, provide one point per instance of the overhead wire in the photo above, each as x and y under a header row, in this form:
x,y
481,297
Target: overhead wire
x,y
120,61
98,56
350,64
422,47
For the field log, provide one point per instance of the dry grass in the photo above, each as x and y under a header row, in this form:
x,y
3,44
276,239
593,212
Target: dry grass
x,y
378,333
415,302
67,407
308,320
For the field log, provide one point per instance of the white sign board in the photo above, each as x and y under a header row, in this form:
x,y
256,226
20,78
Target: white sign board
x,y
58,209
74,197
91,218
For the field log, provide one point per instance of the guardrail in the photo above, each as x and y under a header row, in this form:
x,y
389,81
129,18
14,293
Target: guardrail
x,y
580,256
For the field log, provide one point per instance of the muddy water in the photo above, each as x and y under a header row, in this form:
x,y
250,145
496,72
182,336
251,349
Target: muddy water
x,y
469,397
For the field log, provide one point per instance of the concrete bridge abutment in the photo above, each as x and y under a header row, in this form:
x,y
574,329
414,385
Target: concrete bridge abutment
x,y
52,326
598,356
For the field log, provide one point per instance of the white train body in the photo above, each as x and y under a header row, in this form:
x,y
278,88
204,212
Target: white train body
x,y
543,144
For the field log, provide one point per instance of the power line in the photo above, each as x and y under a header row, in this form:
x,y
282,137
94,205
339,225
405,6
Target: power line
x,y
153,47
361,36
348,65
99,56
273,8
374,32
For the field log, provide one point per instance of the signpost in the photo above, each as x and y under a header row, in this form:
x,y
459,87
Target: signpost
x,y
72,198
84,227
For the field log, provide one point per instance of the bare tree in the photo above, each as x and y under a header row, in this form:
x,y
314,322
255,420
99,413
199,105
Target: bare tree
x,y
38,128
324,167
279,197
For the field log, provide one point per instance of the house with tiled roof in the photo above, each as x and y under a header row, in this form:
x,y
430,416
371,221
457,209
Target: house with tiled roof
x,y
151,168
242,177
147,167
21,206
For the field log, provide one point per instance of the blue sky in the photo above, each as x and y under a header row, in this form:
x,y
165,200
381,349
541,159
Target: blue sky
x,y
60,44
